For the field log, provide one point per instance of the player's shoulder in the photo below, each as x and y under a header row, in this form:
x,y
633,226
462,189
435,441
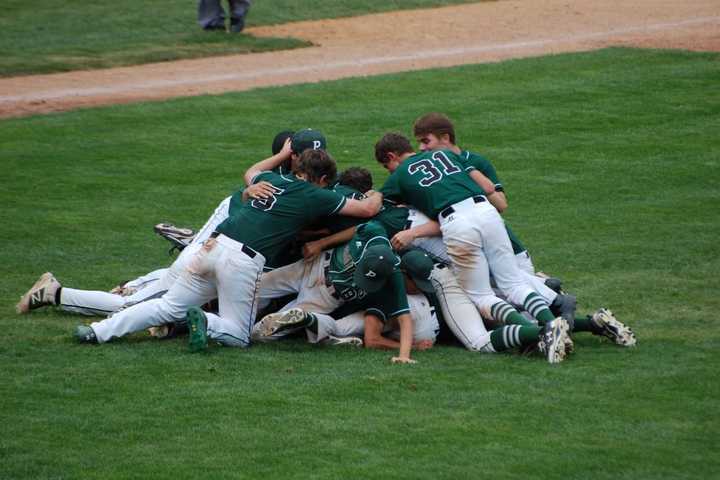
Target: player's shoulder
x,y
273,177
346,191
471,156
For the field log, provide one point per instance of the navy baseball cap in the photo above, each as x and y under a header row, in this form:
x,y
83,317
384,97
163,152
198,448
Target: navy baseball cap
x,y
375,267
308,139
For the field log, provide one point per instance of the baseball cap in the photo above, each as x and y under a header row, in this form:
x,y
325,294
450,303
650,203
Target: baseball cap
x,y
375,267
308,139
418,265
279,140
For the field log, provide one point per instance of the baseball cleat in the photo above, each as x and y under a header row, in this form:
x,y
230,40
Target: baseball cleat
x,y
40,295
343,341
85,334
197,323
280,321
553,340
179,237
607,325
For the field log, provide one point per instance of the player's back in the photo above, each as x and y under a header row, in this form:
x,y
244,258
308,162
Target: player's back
x,y
269,225
431,181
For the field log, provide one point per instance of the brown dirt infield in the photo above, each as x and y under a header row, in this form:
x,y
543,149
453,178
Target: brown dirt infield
x,y
382,43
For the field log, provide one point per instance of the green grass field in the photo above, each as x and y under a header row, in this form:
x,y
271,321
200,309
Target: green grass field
x,y
611,161
48,36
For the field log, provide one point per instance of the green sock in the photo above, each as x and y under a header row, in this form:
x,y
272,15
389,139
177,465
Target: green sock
x,y
311,322
582,324
538,308
511,336
504,313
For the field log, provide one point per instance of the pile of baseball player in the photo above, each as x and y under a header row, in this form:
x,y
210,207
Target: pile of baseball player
x,y
303,251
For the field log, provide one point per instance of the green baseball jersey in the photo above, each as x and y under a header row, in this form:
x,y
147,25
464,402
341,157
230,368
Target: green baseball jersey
x,y
270,225
390,300
431,181
337,223
393,218
483,165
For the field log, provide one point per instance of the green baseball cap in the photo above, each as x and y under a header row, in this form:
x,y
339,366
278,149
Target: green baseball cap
x,y
418,265
375,267
308,139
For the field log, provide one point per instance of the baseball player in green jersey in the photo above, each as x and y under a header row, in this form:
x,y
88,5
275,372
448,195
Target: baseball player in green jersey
x,y
229,264
435,131
364,269
437,184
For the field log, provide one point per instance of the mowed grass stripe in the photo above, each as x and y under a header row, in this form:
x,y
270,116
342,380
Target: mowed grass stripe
x,y
611,168
47,36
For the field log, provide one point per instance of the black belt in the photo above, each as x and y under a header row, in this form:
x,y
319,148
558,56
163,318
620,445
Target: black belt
x,y
450,210
245,249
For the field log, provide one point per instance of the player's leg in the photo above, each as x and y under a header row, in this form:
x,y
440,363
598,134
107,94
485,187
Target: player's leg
x,y
551,339
459,311
503,265
48,291
603,323
238,10
282,281
465,247
238,278
194,287
211,14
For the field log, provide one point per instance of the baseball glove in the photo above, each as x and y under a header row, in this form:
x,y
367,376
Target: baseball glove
x,y
177,236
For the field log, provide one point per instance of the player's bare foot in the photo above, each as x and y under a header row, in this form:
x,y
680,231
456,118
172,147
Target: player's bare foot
x,y
40,295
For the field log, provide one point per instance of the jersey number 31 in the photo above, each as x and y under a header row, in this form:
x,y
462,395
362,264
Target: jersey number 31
x,y
431,172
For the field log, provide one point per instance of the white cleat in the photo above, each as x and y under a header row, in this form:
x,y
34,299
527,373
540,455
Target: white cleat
x,y
40,295
609,326
277,322
343,341
554,340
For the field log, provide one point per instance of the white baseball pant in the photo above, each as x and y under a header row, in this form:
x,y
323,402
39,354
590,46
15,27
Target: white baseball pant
x,y
224,269
477,243
425,323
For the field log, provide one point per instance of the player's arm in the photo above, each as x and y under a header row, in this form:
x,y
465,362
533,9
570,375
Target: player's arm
x,y
373,337
314,248
406,336
261,189
403,239
497,199
269,163
365,208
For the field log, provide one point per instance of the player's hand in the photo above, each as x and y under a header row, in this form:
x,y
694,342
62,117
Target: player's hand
x,y
311,250
260,189
286,150
402,240
403,360
423,345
